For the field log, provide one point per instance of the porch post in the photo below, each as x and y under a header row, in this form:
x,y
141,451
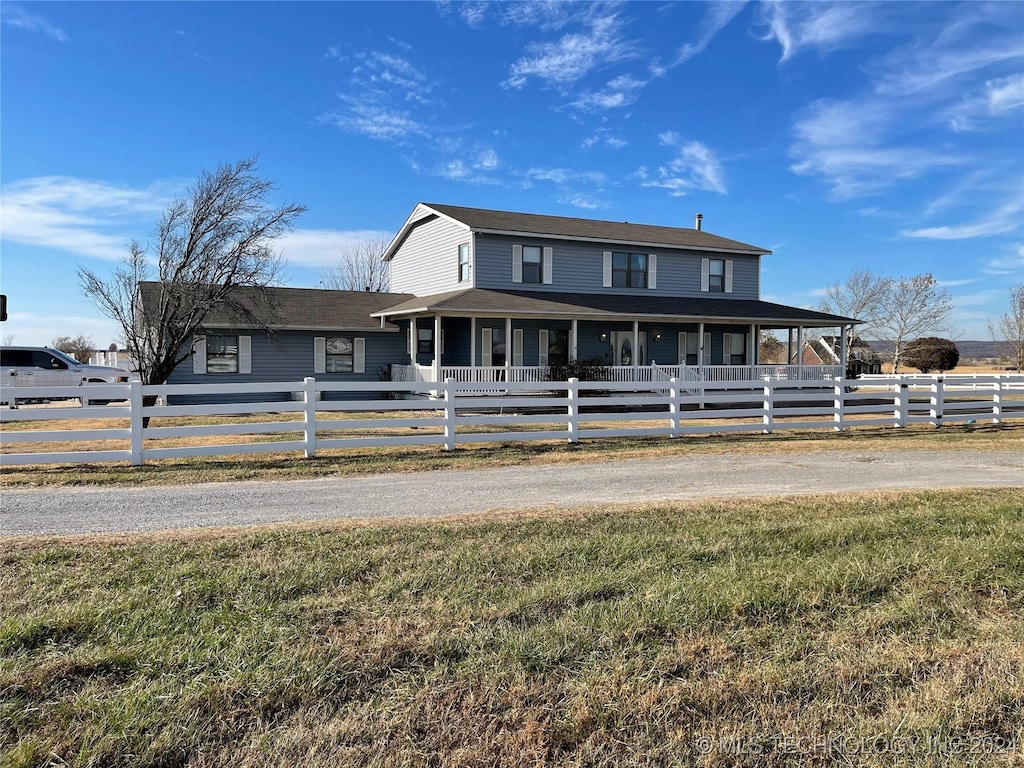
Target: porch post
x,y
844,352
700,347
789,346
752,346
800,353
413,344
437,347
636,346
574,340
508,349
472,347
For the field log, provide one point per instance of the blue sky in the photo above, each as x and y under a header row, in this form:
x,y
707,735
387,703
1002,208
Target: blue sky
x,y
857,135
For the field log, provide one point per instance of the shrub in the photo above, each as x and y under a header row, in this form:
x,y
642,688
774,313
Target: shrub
x,y
592,369
931,354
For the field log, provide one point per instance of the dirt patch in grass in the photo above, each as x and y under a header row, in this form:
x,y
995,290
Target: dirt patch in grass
x,y
874,630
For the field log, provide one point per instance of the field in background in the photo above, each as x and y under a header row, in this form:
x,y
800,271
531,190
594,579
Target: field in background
x,y
876,630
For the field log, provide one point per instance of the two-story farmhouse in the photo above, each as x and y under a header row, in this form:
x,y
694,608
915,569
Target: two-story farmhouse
x,y
483,295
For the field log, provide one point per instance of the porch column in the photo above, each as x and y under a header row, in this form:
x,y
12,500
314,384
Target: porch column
x,y
789,346
700,347
413,344
472,344
800,353
508,349
636,346
574,340
844,350
752,346
437,347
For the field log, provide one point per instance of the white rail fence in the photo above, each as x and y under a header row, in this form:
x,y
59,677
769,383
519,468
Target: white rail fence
x,y
520,411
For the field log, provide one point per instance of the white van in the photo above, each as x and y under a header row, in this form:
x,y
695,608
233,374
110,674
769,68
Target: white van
x,y
45,367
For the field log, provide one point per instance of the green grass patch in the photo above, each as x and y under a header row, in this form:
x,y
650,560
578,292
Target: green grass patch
x,y
739,633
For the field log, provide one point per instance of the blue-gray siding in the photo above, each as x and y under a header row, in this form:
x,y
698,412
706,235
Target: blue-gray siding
x,y
578,267
287,356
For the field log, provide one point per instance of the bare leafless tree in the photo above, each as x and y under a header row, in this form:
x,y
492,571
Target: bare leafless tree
x,y
1008,329
213,254
360,267
913,306
861,296
79,347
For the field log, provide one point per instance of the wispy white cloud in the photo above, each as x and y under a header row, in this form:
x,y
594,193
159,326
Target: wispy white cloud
x,y
16,16
375,121
1006,218
582,200
996,98
820,26
604,136
562,63
695,167
577,188
1009,263
80,216
853,145
322,247
617,93
716,18
565,176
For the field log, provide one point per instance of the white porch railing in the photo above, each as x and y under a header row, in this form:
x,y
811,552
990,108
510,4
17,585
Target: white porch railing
x,y
489,374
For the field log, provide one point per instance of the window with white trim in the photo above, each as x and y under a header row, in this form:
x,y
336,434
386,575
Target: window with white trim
x,y
424,341
629,270
464,263
716,275
532,264
338,355
222,354
734,349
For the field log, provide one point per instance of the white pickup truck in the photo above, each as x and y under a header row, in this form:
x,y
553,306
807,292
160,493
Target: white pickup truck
x,y
45,367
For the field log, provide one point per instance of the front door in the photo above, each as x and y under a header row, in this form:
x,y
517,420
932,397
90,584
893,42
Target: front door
x,y
624,352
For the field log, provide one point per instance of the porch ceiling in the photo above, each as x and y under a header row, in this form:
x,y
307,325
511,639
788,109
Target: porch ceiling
x,y
490,303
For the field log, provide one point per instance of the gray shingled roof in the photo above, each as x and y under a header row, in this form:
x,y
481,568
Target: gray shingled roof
x,y
302,308
482,301
482,220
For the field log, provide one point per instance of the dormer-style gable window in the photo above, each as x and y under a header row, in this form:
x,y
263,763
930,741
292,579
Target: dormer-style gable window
x,y
464,263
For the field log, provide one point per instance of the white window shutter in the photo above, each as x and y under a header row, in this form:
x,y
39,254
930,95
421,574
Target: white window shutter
x,y
542,356
607,276
319,354
245,354
358,355
705,275
517,263
728,276
652,270
682,347
486,346
199,354
517,346
549,254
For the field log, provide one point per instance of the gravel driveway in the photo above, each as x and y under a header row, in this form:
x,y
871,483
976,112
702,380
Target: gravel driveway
x,y
440,493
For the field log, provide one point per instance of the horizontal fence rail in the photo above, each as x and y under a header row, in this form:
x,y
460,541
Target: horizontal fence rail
x,y
138,423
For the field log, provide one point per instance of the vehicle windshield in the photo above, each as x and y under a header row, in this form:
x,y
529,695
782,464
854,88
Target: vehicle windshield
x,y
65,357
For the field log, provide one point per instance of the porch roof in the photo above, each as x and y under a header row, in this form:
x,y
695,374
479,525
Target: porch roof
x,y
482,302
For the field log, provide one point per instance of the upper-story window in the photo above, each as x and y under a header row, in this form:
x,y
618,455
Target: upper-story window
x,y
464,262
532,264
629,270
716,275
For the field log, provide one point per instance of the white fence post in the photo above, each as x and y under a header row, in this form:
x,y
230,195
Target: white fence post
x,y
574,410
135,407
938,396
769,405
309,416
675,405
900,404
449,414
837,406
997,402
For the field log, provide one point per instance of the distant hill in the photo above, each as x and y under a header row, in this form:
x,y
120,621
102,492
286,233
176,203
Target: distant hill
x,y
969,350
